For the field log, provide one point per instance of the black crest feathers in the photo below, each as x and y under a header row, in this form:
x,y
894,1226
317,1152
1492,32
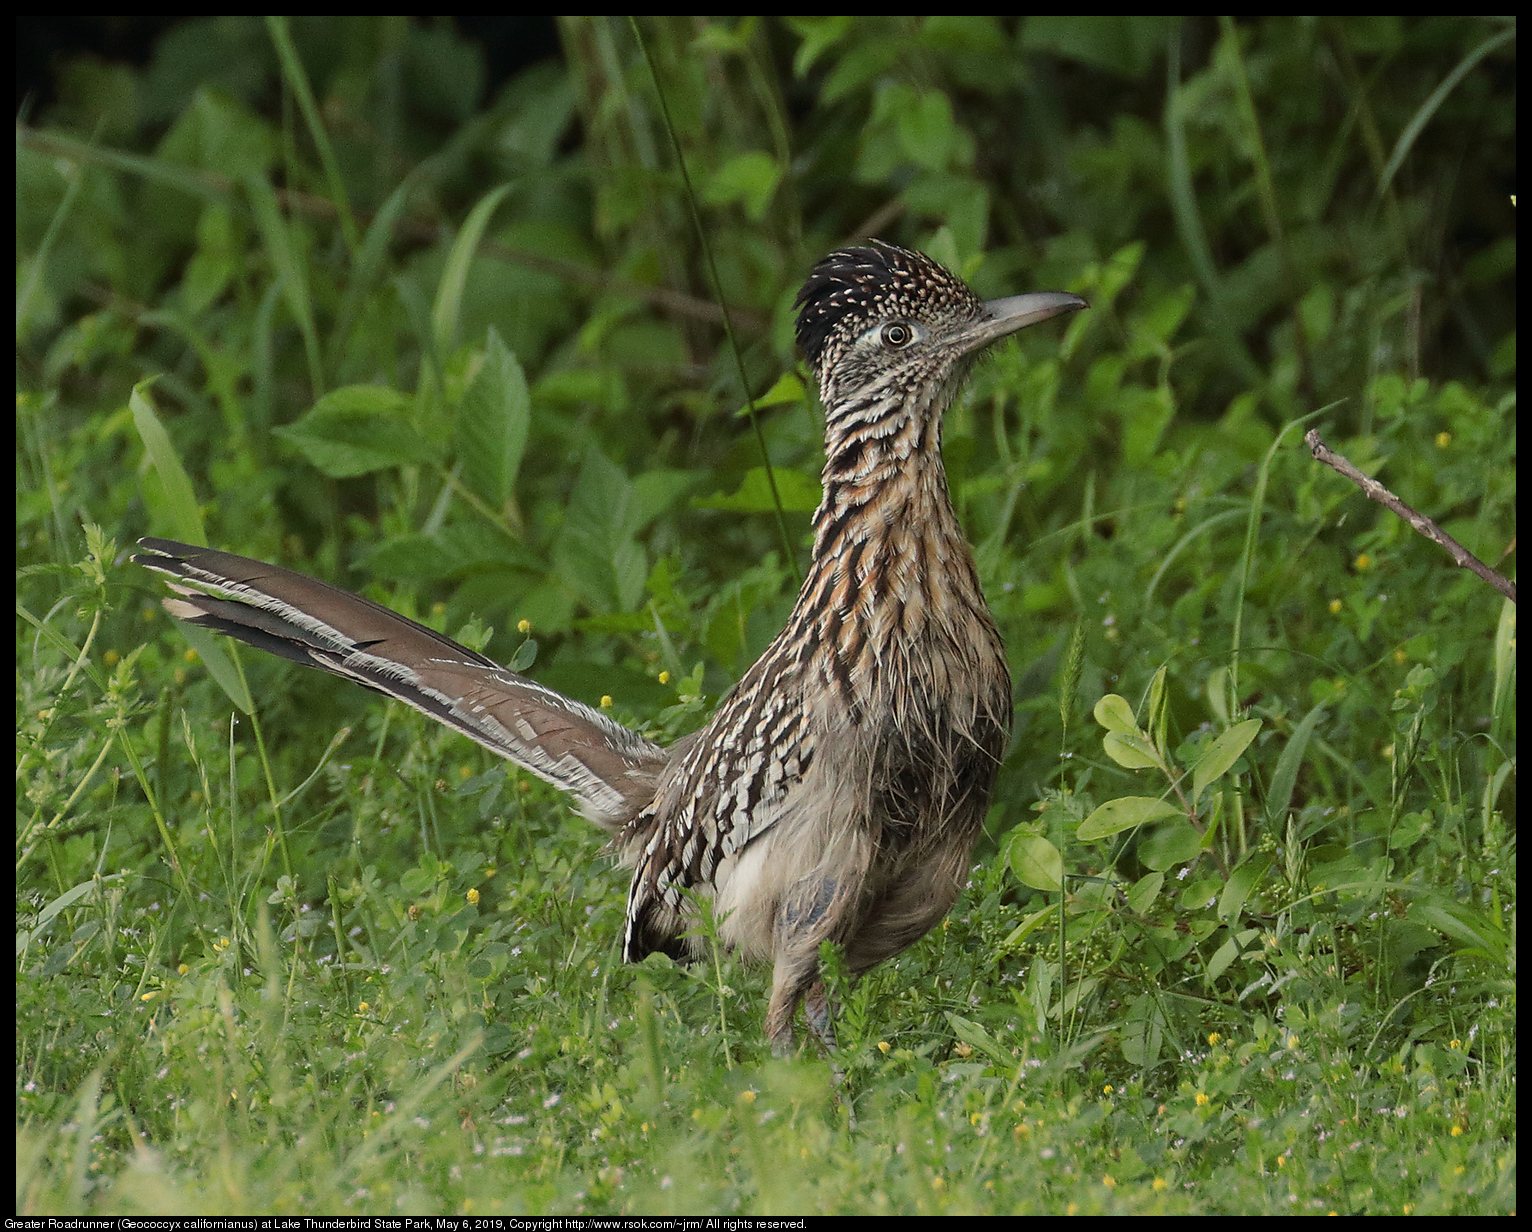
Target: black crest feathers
x,y
853,287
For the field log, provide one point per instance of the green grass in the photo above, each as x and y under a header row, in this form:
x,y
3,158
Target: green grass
x,y
1240,935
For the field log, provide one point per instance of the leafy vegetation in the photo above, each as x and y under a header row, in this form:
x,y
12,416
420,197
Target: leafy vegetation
x,y
1240,935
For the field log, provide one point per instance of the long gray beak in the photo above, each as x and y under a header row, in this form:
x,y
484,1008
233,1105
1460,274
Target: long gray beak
x,y
1006,316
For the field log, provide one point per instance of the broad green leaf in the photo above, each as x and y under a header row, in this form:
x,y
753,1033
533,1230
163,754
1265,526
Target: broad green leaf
x,y
1114,714
972,1034
1466,927
218,133
355,430
927,132
819,34
1118,272
595,552
188,523
67,899
492,424
1242,881
1124,44
1217,691
1040,979
1144,891
209,271
1121,814
1150,329
656,491
787,390
1035,861
1029,925
1078,994
750,178
174,481
1146,413
799,493
1143,1032
1134,751
1222,958
1199,894
1170,845
865,60
1221,754
525,656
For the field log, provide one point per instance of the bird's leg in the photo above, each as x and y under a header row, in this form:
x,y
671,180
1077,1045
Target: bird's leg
x,y
816,1011
807,916
785,995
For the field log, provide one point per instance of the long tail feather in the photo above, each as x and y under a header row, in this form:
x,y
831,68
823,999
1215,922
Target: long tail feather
x,y
608,768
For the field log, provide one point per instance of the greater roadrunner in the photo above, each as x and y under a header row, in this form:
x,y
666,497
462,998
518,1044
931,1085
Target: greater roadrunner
x,y
836,793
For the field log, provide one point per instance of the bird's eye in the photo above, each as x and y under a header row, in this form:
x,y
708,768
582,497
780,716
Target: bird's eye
x,y
897,334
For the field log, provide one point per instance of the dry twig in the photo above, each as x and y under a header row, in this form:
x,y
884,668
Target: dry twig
x,y
1376,491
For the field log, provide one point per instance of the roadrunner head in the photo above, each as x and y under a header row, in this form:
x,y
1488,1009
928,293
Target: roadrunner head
x,y
873,312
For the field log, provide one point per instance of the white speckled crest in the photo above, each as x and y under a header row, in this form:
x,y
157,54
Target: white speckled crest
x,y
853,287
